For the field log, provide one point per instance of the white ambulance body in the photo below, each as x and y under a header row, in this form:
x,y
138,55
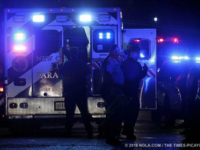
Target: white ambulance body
x,y
33,37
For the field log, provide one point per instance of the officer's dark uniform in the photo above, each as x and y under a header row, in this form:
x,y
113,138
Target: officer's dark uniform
x,y
133,73
75,74
112,92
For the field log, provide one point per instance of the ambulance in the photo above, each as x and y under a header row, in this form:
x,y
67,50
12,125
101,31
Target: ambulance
x,y
34,38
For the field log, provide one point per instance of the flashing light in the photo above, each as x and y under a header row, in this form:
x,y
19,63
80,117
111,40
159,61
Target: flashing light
x,y
100,35
19,36
197,58
142,55
19,48
1,89
175,40
137,40
85,18
38,18
108,35
186,57
161,40
155,19
104,35
175,57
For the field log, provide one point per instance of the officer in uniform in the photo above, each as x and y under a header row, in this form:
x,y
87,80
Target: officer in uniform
x,y
75,74
113,80
133,73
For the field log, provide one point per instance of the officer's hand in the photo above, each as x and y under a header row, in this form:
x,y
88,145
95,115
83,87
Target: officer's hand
x,y
145,67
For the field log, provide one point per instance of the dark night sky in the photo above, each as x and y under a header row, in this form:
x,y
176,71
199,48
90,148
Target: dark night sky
x,y
179,18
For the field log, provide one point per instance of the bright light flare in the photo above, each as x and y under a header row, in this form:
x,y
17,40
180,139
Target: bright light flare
x,y
1,89
38,18
142,55
175,40
137,40
20,48
108,35
19,36
161,40
100,35
85,18
155,19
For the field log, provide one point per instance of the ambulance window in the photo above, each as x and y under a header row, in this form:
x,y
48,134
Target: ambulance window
x,y
47,40
103,39
144,45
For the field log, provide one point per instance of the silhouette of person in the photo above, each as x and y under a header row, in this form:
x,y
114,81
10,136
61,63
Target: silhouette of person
x,y
112,92
75,74
133,73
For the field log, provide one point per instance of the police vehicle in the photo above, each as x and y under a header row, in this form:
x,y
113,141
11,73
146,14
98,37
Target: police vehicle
x,y
172,58
33,41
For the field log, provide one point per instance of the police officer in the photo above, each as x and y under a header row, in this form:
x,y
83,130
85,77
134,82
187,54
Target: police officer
x,y
133,73
113,80
75,74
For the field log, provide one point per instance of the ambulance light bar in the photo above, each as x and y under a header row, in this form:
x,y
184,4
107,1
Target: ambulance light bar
x,y
38,18
106,35
19,36
19,48
85,18
180,57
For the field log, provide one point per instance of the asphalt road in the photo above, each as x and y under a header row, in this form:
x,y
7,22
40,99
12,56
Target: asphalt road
x,y
150,135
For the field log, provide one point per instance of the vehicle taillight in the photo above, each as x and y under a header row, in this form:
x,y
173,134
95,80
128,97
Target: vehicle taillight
x,y
1,89
13,105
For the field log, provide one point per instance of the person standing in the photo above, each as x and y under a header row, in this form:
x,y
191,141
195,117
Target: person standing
x,y
133,73
75,74
111,92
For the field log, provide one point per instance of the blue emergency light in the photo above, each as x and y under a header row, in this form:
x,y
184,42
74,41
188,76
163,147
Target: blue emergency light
x,y
142,55
100,35
106,35
85,18
19,36
38,18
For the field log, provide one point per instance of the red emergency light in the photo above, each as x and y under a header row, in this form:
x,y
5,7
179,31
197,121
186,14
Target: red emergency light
x,y
175,40
160,40
19,48
136,40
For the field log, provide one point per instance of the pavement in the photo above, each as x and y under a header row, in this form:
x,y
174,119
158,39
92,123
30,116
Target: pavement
x,y
150,135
